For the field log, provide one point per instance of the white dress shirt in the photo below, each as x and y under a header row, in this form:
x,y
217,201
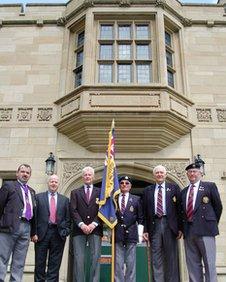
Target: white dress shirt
x,y
120,199
196,188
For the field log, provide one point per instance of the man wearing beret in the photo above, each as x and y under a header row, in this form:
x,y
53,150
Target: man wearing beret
x,y
162,226
130,219
202,209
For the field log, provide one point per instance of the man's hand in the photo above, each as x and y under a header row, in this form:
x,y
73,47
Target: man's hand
x,y
34,238
145,236
180,234
91,227
85,228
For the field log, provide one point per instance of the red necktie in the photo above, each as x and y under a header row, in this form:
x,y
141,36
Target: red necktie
x,y
123,204
87,193
159,211
190,209
52,217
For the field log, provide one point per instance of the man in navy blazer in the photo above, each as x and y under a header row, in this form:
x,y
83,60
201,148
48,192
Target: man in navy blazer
x,y
202,208
87,227
130,220
50,232
162,226
17,209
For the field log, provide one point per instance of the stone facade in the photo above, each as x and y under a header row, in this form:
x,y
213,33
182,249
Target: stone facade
x,y
54,97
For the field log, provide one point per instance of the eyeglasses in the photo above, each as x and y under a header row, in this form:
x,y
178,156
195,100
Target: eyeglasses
x,y
124,182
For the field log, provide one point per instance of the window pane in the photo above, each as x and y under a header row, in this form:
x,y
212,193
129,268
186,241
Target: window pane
x,y
170,78
167,38
105,73
106,52
124,73
124,32
80,38
78,77
143,73
124,51
143,52
106,31
142,32
79,59
169,59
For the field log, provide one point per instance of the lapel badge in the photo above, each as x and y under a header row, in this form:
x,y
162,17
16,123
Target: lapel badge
x,y
174,199
97,201
168,189
131,209
201,188
205,200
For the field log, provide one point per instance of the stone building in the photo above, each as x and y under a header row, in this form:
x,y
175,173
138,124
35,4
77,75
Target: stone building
x,y
158,67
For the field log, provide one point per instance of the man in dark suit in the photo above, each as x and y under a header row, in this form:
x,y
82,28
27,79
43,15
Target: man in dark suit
x,y
130,219
53,226
162,226
202,210
87,227
17,204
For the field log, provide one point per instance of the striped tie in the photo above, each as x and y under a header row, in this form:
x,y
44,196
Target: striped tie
x,y
190,209
123,204
159,211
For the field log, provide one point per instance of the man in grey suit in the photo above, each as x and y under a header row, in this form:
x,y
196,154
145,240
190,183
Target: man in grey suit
x,y
202,210
162,226
17,205
87,227
130,219
52,228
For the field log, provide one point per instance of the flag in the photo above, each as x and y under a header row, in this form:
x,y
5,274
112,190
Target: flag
x,y
110,184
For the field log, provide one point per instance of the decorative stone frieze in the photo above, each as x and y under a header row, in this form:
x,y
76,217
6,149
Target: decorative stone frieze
x,y
204,115
44,114
6,114
221,115
24,114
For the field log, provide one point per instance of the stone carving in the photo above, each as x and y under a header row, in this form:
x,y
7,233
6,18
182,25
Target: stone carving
x,y
69,107
44,114
221,115
124,3
204,115
5,114
186,22
88,3
161,3
24,114
175,168
61,21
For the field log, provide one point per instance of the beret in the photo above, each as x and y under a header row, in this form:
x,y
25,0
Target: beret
x,y
125,177
194,165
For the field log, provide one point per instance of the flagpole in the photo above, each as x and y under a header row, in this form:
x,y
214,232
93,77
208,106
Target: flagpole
x,y
112,254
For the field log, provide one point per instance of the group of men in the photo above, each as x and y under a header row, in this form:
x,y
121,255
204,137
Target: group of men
x,y
161,216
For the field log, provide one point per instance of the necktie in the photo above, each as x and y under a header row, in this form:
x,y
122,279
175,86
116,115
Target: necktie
x,y
87,193
190,209
52,217
123,204
28,214
159,211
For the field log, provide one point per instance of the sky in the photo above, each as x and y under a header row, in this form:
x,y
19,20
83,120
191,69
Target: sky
x,y
64,1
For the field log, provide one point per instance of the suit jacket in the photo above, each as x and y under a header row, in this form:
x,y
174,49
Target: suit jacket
x,y
126,228
12,205
207,210
82,211
43,213
173,208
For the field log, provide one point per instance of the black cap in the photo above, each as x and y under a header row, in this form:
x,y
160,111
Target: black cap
x,y
125,177
194,165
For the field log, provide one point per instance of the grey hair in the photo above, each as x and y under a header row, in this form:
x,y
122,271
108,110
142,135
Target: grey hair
x,y
159,167
88,168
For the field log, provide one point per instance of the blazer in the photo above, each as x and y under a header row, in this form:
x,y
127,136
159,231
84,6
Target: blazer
x,y
82,211
12,205
173,208
207,210
43,213
126,228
